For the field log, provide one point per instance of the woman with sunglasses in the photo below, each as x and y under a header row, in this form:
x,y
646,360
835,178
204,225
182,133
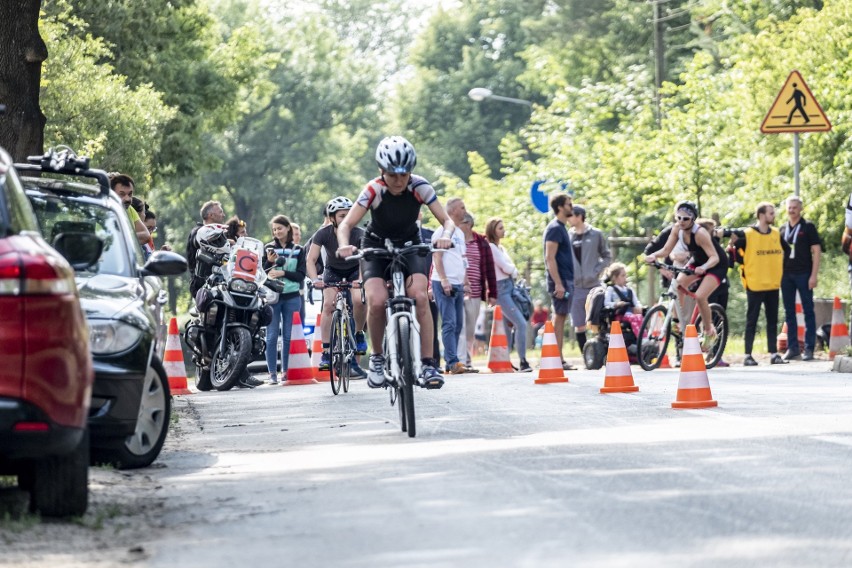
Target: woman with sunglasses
x,y
236,229
708,258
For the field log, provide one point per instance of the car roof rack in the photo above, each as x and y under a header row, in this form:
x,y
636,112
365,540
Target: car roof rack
x,y
63,160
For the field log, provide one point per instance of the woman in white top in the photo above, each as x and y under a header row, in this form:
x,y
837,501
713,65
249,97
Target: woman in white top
x,y
506,272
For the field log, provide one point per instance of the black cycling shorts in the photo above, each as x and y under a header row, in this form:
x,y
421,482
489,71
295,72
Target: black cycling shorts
x,y
380,267
330,276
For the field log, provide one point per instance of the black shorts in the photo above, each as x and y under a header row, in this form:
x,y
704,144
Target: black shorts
x,y
330,276
380,267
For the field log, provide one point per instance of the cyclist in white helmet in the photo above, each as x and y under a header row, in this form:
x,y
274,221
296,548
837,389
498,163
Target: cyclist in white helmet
x,y
394,200
336,269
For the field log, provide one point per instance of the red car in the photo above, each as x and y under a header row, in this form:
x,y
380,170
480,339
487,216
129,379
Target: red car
x,y
45,364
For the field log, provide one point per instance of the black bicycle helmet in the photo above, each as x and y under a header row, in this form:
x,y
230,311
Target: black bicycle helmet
x,y
687,206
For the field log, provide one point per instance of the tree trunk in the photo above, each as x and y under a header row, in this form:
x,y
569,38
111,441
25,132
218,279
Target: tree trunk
x,y
21,56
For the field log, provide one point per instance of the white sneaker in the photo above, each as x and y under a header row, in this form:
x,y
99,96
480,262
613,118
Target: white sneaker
x,y
376,374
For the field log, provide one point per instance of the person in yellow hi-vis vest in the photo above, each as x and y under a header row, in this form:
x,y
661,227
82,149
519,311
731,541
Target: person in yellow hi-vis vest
x,y
762,265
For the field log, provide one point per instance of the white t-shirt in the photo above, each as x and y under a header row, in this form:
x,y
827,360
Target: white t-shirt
x,y
454,259
503,266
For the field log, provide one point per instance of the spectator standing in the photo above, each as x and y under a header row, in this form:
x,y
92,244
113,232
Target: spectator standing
x,y
506,273
762,264
285,263
123,185
802,252
449,285
559,265
426,237
211,213
236,229
591,257
297,233
483,284
846,241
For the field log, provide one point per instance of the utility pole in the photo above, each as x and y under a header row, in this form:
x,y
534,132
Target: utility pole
x,y
659,58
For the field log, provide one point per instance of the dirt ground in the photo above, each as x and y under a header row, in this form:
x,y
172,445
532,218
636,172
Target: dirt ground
x,y
124,510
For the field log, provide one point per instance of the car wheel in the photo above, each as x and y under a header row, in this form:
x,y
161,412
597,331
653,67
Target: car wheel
x,y
142,447
59,485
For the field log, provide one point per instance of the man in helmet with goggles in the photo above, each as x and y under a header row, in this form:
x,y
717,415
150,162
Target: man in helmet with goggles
x,y
335,270
394,200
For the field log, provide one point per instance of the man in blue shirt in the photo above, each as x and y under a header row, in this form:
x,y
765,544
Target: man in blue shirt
x,y
559,266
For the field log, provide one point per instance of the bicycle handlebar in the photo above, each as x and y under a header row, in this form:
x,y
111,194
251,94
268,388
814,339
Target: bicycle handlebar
x,y
391,251
673,268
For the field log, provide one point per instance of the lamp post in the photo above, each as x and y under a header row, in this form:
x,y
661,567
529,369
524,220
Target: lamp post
x,y
479,94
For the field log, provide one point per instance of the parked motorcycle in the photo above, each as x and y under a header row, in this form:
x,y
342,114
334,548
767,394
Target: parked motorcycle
x,y
225,334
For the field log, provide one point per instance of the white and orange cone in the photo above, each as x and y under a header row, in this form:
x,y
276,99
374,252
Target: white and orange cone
x,y
781,343
839,339
316,354
173,361
299,371
550,367
693,388
619,377
498,348
800,321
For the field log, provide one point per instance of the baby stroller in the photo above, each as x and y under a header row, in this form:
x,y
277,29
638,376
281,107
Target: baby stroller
x,y
599,320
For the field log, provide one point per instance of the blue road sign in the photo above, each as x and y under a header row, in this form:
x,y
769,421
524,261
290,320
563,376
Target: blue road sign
x,y
539,196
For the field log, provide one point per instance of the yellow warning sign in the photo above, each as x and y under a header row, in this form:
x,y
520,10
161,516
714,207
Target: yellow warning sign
x,y
795,110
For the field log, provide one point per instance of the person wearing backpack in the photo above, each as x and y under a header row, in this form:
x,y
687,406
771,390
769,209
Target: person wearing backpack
x,y
506,272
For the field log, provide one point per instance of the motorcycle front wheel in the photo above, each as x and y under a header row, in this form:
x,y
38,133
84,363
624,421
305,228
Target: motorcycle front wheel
x,y
226,367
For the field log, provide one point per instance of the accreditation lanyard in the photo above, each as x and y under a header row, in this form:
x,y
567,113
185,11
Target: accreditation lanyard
x,y
791,236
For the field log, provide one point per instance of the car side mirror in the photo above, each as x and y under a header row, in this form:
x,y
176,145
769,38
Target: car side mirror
x,y
81,250
164,263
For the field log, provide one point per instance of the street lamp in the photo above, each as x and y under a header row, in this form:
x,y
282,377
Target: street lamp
x,y
479,94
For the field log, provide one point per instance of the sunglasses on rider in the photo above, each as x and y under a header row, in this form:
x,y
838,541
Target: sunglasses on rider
x,y
683,219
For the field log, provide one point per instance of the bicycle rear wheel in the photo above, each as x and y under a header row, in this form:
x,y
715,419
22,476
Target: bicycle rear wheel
x,y
714,350
406,388
336,353
653,338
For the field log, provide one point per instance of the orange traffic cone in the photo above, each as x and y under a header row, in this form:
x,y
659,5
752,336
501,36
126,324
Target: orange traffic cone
x,y
316,354
299,370
664,364
800,321
550,367
781,344
839,340
693,387
618,376
173,361
498,349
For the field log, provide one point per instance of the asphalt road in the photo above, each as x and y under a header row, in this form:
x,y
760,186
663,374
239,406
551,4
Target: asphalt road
x,y
504,472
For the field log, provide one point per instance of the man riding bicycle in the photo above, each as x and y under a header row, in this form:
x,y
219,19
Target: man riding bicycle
x,y
708,258
336,270
394,200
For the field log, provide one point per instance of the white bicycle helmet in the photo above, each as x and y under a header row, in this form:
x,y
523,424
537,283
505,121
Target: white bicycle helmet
x,y
339,203
396,155
213,238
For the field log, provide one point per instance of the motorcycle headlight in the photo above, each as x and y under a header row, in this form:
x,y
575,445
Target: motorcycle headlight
x,y
110,336
242,286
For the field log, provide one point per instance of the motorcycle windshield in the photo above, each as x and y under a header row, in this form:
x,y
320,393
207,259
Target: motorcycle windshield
x,y
244,262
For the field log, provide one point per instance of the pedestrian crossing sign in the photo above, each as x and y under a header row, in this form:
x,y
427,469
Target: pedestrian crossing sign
x,y
795,110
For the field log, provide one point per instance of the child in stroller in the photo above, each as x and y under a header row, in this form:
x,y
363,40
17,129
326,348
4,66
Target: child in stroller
x,y
615,302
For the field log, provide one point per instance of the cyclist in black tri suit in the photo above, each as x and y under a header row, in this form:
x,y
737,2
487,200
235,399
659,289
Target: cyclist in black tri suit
x,y
394,200
708,259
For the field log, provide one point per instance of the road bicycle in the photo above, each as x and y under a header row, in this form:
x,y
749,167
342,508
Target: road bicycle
x,y
401,343
342,350
662,322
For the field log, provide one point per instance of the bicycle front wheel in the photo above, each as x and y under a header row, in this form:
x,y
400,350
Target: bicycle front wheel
x,y
406,388
336,353
713,348
653,340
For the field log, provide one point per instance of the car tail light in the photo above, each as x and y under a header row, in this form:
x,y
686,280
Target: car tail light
x,y
31,427
25,275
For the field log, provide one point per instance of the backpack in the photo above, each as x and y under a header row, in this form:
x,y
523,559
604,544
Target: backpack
x,y
595,304
522,299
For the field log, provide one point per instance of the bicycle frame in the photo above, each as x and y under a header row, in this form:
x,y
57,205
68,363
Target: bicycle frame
x,y
401,306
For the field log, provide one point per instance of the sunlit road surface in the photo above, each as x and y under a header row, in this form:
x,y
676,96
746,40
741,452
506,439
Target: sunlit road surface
x,y
504,472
